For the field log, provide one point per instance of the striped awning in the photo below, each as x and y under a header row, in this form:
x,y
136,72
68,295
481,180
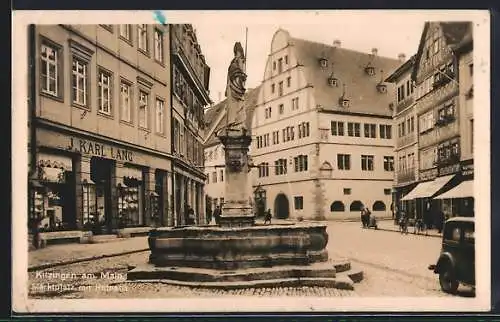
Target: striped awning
x,y
427,189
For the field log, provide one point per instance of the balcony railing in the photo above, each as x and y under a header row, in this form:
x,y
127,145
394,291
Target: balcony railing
x,y
406,140
404,104
406,175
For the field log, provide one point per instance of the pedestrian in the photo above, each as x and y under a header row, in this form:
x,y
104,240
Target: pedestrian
x,y
268,216
217,214
440,220
363,217
191,216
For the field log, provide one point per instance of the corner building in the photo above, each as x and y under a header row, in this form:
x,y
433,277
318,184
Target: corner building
x,y
322,131
190,94
99,106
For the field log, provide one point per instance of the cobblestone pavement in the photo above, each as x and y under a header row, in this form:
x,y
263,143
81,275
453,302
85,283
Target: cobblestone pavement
x,y
69,252
393,265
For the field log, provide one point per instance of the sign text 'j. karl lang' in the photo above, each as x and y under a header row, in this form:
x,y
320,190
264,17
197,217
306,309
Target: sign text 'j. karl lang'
x,y
101,150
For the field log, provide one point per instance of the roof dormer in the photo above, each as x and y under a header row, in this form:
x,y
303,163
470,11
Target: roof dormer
x,y
343,100
332,80
323,62
381,86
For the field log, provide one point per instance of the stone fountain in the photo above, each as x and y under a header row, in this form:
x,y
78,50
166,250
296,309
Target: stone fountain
x,y
238,253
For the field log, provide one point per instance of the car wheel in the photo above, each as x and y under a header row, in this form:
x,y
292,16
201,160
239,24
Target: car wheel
x,y
447,280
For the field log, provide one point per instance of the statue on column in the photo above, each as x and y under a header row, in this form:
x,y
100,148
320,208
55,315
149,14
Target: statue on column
x,y
235,91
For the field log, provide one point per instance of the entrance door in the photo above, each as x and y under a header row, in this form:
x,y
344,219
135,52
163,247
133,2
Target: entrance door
x,y
100,170
281,206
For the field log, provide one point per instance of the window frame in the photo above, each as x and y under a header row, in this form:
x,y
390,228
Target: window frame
x,y
367,162
130,100
161,100
127,37
100,90
142,30
343,161
86,64
298,202
161,42
147,105
59,69
388,163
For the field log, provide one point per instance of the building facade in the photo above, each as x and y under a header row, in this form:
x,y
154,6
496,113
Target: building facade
x,y
190,94
439,109
406,138
214,154
322,131
99,105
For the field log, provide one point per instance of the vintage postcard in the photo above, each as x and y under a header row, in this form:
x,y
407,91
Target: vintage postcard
x,y
251,161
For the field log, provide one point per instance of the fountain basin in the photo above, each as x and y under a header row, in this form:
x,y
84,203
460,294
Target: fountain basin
x,y
223,248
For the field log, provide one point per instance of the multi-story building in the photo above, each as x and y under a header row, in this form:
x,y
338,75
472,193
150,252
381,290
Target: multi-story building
x,y
215,117
406,138
190,94
322,128
438,110
99,104
460,199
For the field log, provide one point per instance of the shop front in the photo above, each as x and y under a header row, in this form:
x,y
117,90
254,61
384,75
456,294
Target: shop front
x,y
188,191
459,201
100,186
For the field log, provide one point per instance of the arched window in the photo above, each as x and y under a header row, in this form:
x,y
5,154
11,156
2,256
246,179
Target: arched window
x,y
356,206
378,206
337,206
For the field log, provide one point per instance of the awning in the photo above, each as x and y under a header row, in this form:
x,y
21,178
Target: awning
x,y
427,189
52,167
464,190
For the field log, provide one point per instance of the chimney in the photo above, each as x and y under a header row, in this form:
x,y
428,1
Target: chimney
x,y
337,43
374,51
402,57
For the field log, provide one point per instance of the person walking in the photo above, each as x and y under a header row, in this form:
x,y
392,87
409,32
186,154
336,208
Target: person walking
x,y
217,214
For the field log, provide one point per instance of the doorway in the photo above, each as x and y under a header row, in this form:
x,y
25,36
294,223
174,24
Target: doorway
x,y
281,206
100,173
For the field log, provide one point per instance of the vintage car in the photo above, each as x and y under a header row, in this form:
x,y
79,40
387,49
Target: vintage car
x,y
456,263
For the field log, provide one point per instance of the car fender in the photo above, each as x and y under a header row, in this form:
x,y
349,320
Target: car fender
x,y
444,258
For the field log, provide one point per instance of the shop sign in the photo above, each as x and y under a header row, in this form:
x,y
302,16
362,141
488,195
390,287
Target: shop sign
x,y
430,174
101,150
449,169
467,168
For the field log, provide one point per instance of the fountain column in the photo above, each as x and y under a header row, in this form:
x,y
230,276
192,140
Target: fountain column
x,y
237,211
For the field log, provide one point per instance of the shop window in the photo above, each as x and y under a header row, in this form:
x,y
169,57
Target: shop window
x,y
356,206
378,206
337,206
130,203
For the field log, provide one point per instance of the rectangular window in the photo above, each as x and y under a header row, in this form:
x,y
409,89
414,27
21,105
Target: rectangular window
x,y
160,116
353,129
298,202
221,175
273,88
403,131
288,81
471,69
389,163
300,163
126,32
280,65
367,162
387,191
344,161
347,191
337,128
280,167
281,108
214,177
79,82
385,131
286,59
50,71
268,111
176,135
142,34
274,65
412,124
158,46
295,103
125,98
143,109
280,89
370,131
104,92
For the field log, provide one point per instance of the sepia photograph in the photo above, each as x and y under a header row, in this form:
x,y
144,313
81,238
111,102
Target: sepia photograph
x,y
208,161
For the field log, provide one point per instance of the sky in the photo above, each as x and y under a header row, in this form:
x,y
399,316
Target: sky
x,y
391,35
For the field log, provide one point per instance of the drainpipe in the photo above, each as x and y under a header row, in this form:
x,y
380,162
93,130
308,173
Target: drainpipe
x,y
172,202
32,171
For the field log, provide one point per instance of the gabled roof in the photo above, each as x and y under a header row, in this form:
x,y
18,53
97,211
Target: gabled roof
x,y
408,65
215,116
454,32
349,68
